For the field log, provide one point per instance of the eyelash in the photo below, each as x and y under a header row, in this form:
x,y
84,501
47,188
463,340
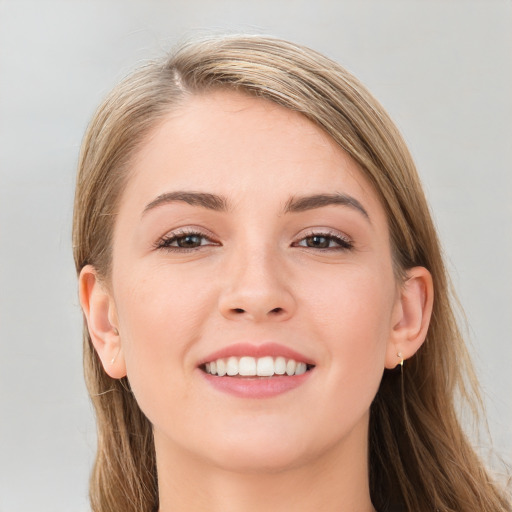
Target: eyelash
x,y
343,243
166,241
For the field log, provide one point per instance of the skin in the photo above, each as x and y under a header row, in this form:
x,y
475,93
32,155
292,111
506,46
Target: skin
x,y
253,279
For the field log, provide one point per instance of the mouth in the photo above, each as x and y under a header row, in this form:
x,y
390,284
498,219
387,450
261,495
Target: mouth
x,y
256,371
262,367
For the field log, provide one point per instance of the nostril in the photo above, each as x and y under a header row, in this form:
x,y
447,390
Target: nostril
x,y
239,310
276,310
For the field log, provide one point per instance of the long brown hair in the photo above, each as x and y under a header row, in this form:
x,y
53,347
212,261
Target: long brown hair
x,y
420,457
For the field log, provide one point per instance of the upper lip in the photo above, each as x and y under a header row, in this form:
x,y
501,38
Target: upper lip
x,y
259,350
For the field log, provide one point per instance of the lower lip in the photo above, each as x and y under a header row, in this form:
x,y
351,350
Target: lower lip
x,y
256,387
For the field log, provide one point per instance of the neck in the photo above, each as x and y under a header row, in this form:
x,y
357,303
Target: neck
x,y
337,481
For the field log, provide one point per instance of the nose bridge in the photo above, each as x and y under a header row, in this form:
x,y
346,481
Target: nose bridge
x,y
255,284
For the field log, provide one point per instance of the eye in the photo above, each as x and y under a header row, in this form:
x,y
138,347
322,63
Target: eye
x,y
325,241
184,241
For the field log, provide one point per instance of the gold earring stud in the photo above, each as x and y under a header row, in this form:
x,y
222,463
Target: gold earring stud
x,y
401,358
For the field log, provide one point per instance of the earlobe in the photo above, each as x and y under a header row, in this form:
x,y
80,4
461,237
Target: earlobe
x,y
101,316
411,316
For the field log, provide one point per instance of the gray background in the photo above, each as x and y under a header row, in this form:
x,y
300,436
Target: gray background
x,y
441,68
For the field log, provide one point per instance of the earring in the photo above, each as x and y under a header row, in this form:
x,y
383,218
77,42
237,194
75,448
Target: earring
x,y
116,332
401,359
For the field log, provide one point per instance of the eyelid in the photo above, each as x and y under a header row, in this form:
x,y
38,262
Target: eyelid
x,y
171,236
347,242
326,232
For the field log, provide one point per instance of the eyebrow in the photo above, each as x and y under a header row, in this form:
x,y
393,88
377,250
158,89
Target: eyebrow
x,y
203,199
304,203
221,204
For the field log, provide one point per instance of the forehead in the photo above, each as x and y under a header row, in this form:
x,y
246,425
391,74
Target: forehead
x,y
242,147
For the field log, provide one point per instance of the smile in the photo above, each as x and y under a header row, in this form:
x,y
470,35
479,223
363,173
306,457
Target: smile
x,y
256,371
247,366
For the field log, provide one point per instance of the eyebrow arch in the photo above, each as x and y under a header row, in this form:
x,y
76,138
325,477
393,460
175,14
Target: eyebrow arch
x,y
203,199
304,203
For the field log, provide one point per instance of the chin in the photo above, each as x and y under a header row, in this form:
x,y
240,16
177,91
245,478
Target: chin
x,y
260,460
270,449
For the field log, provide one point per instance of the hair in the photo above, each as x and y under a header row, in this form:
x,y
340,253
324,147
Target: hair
x,y
419,456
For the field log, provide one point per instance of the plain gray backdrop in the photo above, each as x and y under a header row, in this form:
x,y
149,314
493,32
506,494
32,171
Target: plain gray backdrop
x,y
441,68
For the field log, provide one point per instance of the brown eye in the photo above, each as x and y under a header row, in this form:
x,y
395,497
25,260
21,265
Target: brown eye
x,y
318,242
189,241
326,241
184,242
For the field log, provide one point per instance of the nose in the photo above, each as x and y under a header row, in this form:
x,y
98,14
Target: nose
x,y
256,287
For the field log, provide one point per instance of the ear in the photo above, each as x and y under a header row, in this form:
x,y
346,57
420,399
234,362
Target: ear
x,y
100,312
411,316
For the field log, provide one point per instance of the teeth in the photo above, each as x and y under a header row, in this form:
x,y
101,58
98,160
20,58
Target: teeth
x,y
280,365
247,366
265,367
251,367
301,368
221,367
232,366
290,367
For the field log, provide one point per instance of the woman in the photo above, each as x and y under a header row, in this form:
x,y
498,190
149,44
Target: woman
x,y
257,268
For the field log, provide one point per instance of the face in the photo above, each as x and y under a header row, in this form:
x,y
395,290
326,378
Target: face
x,y
247,241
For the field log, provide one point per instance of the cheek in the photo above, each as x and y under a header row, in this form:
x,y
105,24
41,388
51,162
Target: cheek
x,y
354,319
160,318
354,303
157,306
